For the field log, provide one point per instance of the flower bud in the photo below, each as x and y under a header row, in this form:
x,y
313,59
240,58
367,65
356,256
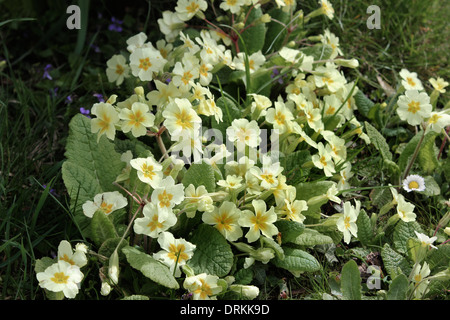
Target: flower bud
x,y
250,292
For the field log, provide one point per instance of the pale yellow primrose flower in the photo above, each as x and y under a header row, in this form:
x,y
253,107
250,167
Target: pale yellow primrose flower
x,y
225,219
197,199
163,93
405,209
187,9
280,117
104,123
136,41
438,121
107,202
144,62
329,77
255,60
168,194
148,170
179,115
118,69
175,252
347,223
244,132
410,80
61,276
261,221
420,283
137,120
327,8
66,253
170,25
323,159
203,286
414,107
425,240
234,6
155,220
268,173
439,84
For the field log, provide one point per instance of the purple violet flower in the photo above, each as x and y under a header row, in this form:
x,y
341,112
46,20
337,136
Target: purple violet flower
x,y
115,25
99,97
46,70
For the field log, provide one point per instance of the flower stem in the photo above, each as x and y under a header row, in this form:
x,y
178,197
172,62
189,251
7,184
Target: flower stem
x,y
414,156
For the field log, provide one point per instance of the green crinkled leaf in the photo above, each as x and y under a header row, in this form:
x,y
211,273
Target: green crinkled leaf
x,y
431,187
261,82
289,230
351,281
308,190
150,267
363,103
439,258
292,166
244,276
213,254
107,248
398,288
427,158
402,232
377,139
254,36
414,249
311,237
380,197
200,174
296,260
394,262
365,229
102,228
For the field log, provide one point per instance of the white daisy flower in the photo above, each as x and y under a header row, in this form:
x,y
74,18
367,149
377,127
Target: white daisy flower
x,y
414,182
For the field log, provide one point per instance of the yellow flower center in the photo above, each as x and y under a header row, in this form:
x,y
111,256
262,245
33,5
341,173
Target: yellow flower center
x,y
280,118
330,110
323,161
224,221
413,185
204,290
328,80
184,119
104,122
177,253
187,76
193,7
251,64
268,177
413,106
164,199
434,118
60,278
119,69
231,2
259,221
136,119
67,259
417,278
106,208
410,81
145,63
148,171
203,70
347,222
154,223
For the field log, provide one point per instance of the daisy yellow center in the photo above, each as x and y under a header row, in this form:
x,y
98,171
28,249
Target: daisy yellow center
x,y
413,185
60,278
145,63
176,253
106,208
193,7
165,198
148,171
67,259
413,106
119,69
187,76
204,290
410,81
154,223
184,119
